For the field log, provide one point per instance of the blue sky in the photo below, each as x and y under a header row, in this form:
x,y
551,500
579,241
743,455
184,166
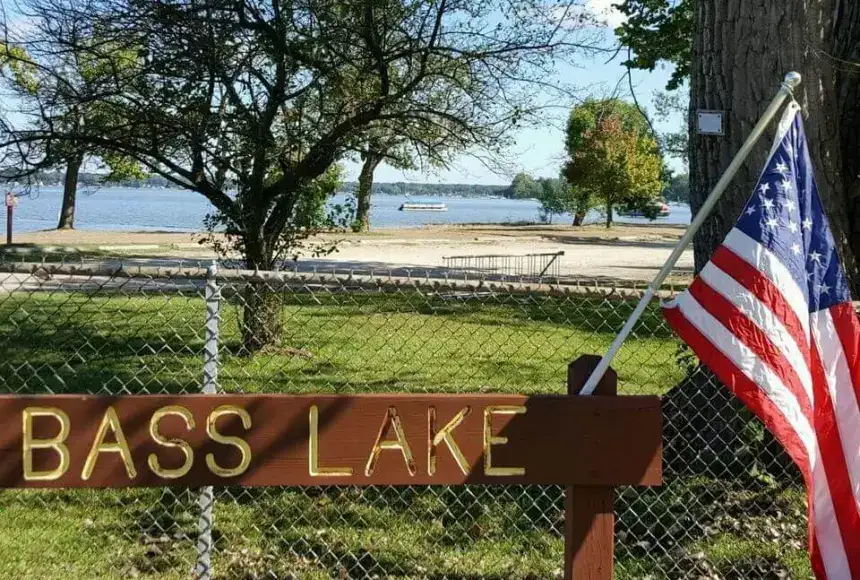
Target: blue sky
x,y
540,151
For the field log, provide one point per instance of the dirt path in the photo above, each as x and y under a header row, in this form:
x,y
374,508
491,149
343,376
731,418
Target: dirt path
x,y
629,252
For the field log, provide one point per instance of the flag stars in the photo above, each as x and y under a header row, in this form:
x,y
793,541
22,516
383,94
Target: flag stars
x,y
823,288
781,168
792,227
796,249
771,223
790,205
764,188
750,210
767,203
807,224
785,186
815,257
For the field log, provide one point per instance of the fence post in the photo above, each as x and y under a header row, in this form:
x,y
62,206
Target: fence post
x,y
203,568
589,518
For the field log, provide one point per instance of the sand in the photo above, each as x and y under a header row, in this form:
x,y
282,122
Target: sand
x,y
624,252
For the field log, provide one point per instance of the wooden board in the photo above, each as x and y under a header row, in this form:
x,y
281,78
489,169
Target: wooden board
x,y
362,440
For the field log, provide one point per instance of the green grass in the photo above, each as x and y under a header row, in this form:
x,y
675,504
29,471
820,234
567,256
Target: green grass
x,y
359,342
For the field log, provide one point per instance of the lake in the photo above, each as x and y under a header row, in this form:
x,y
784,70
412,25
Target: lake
x,y
148,209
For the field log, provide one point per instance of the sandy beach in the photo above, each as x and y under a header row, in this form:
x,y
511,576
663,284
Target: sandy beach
x,y
624,252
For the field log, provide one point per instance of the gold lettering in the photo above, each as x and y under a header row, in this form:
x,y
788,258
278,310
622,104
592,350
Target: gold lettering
x,y
445,434
228,440
401,444
490,440
313,452
156,435
57,443
110,420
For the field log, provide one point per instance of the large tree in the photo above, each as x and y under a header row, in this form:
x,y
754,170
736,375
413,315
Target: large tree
x,y
269,94
524,186
735,54
613,159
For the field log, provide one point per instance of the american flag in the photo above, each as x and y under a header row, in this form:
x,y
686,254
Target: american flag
x,y
771,316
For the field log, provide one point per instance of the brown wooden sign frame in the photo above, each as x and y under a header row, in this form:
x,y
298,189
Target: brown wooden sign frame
x,y
588,444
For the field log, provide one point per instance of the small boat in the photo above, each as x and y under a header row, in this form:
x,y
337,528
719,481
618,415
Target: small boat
x,y
423,206
661,210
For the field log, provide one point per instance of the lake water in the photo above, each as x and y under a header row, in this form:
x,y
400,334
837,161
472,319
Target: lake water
x,y
127,209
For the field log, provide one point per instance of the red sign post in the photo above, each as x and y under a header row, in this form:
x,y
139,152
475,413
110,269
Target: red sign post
x,y
11,204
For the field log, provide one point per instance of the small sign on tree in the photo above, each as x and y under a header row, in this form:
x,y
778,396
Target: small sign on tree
x,y
709,122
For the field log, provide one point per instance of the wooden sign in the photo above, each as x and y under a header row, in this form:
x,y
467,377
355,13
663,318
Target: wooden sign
x,y
267,440
588,444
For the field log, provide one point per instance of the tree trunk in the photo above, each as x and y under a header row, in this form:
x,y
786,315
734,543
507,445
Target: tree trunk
x,y
362,194
847,50
578,218
741,51
70,192
609,208
261,320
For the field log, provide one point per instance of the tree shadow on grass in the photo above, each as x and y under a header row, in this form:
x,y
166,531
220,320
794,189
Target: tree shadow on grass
x,y
336,526
80,358
323,377
585,313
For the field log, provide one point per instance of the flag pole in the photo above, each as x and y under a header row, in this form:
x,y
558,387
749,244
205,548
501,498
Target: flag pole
x,y
791,81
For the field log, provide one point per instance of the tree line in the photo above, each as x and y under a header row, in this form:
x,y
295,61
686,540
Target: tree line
x,y
90,179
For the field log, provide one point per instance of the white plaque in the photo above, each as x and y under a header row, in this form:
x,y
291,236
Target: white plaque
x,y
710,122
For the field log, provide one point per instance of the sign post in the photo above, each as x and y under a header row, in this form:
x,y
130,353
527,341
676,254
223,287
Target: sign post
x,y
587,444
11,204
589,515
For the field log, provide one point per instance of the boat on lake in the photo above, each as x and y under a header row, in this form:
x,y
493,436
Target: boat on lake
x,y
423,206
657,210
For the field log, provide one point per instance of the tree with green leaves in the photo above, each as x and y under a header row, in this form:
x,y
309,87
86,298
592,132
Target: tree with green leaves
x,y
672,105
554,196
268,95
613,159
21,77
524,186
658,31
678,188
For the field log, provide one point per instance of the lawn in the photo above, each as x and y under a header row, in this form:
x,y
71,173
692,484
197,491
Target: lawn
x,y
361,342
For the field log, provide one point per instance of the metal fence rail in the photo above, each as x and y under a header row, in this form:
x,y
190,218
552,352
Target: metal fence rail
x,y
527,266
732,506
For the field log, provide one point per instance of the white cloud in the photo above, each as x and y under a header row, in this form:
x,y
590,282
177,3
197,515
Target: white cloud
x,y
599,12
605,13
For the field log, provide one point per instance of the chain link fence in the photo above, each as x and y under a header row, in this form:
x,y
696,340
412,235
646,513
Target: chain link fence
x,y
732,505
